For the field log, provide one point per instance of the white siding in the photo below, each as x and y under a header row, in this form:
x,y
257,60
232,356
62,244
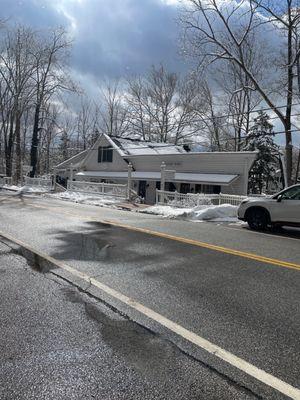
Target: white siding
x,y
91,162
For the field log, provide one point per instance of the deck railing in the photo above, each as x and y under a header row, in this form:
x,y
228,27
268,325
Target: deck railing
x,y
39,182
109,189
185,200
176,199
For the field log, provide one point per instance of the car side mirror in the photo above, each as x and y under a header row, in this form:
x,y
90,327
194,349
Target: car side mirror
x,y
279,198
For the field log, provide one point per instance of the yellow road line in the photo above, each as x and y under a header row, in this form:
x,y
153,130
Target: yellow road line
x,y
237,362
198,243
239,253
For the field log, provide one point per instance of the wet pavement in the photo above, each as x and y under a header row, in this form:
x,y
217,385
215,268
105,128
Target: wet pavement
x,y
57,343
247,307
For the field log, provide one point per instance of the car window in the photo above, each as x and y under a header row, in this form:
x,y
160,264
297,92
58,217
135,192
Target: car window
x,y
292,194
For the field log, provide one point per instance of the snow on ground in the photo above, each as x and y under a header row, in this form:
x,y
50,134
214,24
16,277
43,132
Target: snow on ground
x,y
222,213
25,189
11,187
33,189
90,199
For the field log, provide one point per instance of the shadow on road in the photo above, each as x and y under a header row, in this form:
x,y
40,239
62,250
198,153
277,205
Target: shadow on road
x,y
18,201
96,241
288,232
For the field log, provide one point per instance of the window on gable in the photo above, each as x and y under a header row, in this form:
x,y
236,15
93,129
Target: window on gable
x,y
105,154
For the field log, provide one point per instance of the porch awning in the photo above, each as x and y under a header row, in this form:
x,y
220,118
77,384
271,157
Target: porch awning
x,y
217,179
209,179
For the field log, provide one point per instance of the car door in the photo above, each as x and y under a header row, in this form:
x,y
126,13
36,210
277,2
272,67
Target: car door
x,y
286,208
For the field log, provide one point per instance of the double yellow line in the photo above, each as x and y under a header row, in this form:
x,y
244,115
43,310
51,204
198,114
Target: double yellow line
x,y
209,246
251,256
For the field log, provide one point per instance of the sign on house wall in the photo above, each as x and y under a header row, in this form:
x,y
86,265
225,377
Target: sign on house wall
x,y
169,174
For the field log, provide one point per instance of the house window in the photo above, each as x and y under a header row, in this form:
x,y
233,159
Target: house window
x,y
185,187
170,187
211,189
105,154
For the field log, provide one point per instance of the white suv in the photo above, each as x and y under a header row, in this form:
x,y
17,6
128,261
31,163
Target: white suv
x,y
281,209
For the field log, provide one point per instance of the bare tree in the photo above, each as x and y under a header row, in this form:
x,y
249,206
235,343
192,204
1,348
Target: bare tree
x,y
113,109
163,106
239,101
214,124
87,123
16,71
48,134
50,77
140,120
217,31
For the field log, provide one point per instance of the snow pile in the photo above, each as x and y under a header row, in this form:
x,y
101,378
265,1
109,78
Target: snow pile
x,y
222,213
191,202
33,189
84,198
26,189
11,187
168,211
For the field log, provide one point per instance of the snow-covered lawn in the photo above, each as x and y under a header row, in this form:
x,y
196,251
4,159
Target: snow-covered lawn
x,y
222,213
84,198
11,187
25,189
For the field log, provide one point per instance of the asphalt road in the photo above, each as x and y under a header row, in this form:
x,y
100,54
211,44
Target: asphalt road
x,y
247,307
57,343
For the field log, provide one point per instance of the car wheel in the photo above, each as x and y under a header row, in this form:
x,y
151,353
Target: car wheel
x,y
257,219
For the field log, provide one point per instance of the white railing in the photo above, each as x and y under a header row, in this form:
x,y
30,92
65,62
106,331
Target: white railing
x,y
109,189
232,199
38,182
6,180
192,199
185,200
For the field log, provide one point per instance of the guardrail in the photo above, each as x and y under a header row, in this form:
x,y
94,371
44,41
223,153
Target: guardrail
x,y
109,189
6,180
195,199
39,182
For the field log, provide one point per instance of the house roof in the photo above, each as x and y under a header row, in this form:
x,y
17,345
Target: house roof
x,y
138,147
221,179
75,160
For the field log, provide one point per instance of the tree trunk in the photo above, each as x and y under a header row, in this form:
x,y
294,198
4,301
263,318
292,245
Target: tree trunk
x,y
9,149
18,172
35,142
289,100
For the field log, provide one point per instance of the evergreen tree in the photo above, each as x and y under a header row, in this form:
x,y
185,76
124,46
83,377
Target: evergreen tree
x,y
261,138
64,144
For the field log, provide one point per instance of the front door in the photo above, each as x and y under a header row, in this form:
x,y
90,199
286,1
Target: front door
x,y
142,189
185,187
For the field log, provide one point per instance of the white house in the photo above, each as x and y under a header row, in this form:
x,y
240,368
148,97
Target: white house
x,y
206,172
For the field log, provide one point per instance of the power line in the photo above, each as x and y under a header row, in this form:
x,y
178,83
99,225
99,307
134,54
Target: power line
x,y
204,144
246,113
164,145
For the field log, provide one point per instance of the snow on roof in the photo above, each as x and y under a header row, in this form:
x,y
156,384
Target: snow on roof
x,y
142,147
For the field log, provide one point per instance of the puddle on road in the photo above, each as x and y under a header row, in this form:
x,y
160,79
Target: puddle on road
x,y
145,351
72,295
36,262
